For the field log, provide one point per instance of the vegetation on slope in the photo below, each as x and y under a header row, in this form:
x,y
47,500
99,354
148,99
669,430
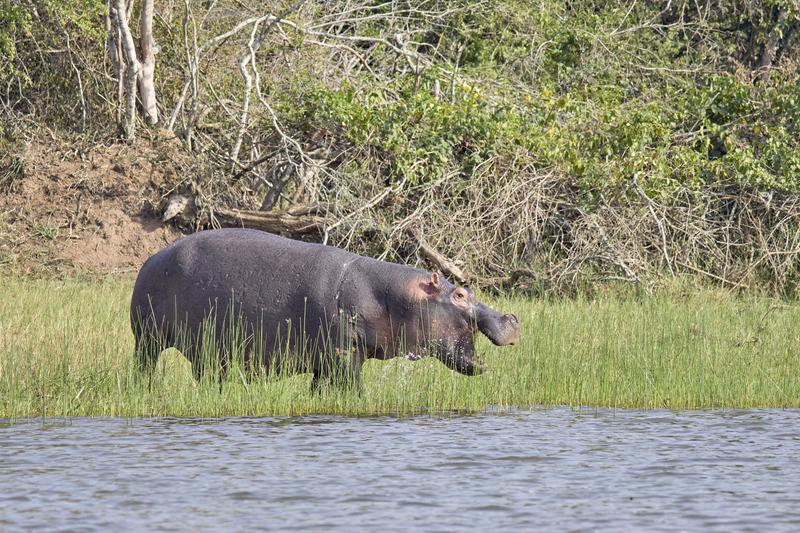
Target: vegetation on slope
x,y
544,144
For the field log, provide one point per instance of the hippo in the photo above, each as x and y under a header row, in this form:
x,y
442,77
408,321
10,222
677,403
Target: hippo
x,y
289,297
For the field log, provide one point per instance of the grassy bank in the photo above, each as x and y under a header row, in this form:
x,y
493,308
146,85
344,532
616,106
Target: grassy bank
x,y
65,350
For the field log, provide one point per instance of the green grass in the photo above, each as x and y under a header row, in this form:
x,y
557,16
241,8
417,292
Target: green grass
x,y
66,350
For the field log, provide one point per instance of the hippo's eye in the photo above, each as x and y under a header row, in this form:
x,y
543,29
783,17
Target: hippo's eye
x,y
460,297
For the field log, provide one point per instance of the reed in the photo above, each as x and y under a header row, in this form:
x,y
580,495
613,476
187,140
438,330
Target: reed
x,y
66,349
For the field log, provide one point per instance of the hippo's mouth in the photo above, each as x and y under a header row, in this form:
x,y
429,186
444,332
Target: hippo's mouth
x,y
471,366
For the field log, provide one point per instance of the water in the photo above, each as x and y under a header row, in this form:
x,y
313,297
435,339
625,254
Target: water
x,y
555,469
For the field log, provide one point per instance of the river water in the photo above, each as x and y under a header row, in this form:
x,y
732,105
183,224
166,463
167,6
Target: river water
x,y
548,469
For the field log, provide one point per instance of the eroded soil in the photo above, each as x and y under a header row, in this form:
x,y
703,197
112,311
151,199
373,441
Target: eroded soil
x,y
68,208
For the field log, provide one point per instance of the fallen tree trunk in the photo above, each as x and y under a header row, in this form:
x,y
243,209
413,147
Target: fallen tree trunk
x,y
296,221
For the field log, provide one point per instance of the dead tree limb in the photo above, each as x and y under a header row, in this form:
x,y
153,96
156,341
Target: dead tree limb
x,y
430,253
247,62
275,190
649,202
768,51
296,221
518,274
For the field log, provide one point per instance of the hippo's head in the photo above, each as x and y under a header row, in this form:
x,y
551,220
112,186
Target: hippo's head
x,y
449,319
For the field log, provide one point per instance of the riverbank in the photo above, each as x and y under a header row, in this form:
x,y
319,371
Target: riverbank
x,y
66,350
542,148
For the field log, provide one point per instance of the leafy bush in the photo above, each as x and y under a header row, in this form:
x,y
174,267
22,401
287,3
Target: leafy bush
x,y
603,108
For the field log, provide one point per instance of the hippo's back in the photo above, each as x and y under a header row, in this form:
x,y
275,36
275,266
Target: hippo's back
x,y
263,273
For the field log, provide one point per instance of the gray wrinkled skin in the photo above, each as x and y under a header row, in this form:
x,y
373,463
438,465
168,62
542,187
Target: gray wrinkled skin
x,y
292,297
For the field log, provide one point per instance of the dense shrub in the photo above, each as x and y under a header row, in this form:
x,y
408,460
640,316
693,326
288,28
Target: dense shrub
x,y
537,133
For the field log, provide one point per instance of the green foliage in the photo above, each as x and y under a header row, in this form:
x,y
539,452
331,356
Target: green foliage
x,y
46,22
422,134
16,25
598,92
722,132
42,44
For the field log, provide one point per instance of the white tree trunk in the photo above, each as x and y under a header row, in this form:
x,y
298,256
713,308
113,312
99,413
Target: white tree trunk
x,y
148,49
130,70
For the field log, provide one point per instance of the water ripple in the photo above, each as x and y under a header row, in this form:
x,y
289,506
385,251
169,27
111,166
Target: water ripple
x,y
562,469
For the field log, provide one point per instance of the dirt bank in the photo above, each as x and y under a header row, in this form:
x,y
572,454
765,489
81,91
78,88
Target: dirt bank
x,y
72,207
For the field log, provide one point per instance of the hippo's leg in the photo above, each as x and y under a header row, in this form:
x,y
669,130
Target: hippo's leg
x,y
151,339
194,354
318,381
213,358
351,377
207,357
206,345
342,371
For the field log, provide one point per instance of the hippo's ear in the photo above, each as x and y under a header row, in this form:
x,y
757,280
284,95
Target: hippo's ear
x,y
433,286
429,287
